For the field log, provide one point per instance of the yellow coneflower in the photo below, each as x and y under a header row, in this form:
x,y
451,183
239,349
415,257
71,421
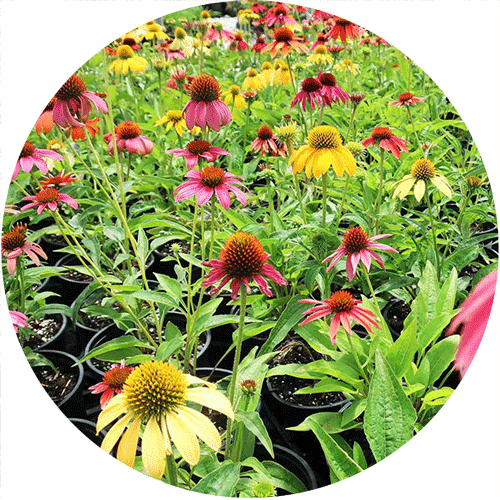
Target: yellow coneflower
x,y
246,15
155,395
347,65
267,73
323,150
154,31
422,171
205,15
286,133
195,46
282,75
320,56
252,81
174,119
233,95
181,40
127,61
58,147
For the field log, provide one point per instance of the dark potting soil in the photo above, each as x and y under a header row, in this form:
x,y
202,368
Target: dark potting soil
x,y
469,271
43,331
57,239
57,384
77,276
285,386
166,249
396,315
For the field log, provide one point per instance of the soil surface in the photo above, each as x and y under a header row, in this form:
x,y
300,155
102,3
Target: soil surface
x,y
43,331
396,314
57,384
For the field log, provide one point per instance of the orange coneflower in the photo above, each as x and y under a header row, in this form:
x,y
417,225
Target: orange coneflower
x,y
284,41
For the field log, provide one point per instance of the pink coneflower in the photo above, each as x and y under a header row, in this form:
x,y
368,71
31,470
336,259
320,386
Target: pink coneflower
x,y
14,244
310,93
216,32
238,43
196,150
45,121
48,197
344,308
383,137
19,320
473,318
170,53
242,259
10,209
319,15
30,156
330,90
205,108
358,247
344,29
209,182
265,141
78,133
278,16
259,44
112,382
128,137
406,99
321,40
74,103
257,7
58,181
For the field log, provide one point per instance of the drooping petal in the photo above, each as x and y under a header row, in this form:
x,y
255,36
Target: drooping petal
x,y
201,426
183,437
153,449
128,443
211,399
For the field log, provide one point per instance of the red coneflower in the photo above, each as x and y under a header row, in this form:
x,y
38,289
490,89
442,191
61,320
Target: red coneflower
x,y
358,247
319,15
259,44
265,141
205,108
343,28
344,308
57,181
330,90
112,382
335,49
48,197
14,244
196,150
78,133
209,182
45,121
31,155
310,93
74,103
383,137
242,259
406,99
284,41
238,43
257,7
128,137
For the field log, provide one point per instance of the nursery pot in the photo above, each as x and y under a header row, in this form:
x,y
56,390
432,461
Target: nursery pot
x,y
50,246
394,314
71,402
64,339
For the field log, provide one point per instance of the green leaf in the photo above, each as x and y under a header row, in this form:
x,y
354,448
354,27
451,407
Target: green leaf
x,y
437,397
221,482
173,343
253,422
142,246
283,478
169,285
433,329
341,464
332,419
440,356
157,297
445,302
389,414
37,359
402,352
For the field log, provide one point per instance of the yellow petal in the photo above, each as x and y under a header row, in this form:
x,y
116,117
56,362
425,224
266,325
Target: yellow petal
x,y
442,184
320,163
115,432
195,380
211,399
201,426
166,435
419,189
337,162
128,443
403,187
112,411
184,438
153,449
349,161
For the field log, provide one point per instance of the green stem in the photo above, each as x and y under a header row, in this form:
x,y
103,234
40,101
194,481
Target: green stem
x,y
212,229
351,122
22,285
270,200
414,129
341,208
356,359
299,196
433,231
171,471
380,188
325,184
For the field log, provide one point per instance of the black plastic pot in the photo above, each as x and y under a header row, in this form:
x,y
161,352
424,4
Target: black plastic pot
x,y
72,404
292,462
394,321
64,340
50,247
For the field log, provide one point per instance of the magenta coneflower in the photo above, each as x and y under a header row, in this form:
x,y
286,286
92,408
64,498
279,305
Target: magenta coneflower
x,y
196,150
406,99
129,138
14,244
344,308
330,90
358,247
205,108
209,182
257,7
112,382
45,121
242,259
74,103
48,197
383,137
30,155
19,320
310,93
265,141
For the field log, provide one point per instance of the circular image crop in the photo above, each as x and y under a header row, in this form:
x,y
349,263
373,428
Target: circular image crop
x,y
249,249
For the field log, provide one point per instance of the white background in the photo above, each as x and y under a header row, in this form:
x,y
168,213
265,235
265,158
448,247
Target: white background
x,y
456,42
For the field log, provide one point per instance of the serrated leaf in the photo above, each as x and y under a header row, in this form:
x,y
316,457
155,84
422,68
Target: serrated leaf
x,y
402,352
